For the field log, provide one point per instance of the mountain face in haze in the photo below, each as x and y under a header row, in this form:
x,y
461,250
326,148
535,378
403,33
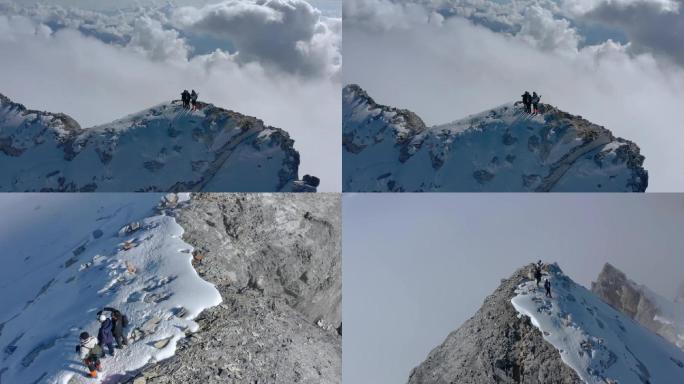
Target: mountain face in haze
x,y
651,310
521,336
163,148
503,149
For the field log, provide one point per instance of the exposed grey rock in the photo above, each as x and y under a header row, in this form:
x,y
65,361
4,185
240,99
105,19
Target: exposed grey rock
x,y
634,300
276,262
291,241
495,346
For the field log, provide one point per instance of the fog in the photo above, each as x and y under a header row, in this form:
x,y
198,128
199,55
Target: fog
x,y
445,69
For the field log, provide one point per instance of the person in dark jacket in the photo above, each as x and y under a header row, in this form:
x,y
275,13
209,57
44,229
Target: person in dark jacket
x,y
538,272
547,286
185,96
119,322
193,99
527,101
105,336
535,103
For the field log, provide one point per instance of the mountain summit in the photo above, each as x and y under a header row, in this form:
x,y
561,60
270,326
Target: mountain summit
x,y
163,148
521,336
502,149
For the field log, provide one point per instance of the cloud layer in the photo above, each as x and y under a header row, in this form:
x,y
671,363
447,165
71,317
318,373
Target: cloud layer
x,y
98,67
447,68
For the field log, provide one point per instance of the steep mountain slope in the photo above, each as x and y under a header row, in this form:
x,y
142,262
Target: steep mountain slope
x,y
276,261
270,313
163,148
601,344
496,345
116,251
503,149
651,310
520,336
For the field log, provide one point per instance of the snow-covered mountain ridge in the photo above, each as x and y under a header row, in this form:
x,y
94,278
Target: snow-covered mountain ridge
x,y
502,149
601,344
163,148
521,336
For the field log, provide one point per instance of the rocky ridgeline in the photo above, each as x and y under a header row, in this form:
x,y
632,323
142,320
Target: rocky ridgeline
x,y
163,148
503,149
276,261
496,345
634,300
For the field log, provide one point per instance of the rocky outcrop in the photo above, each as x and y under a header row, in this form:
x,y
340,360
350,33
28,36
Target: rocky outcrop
x,y
638,302
276,261
163,148
502,149
401,124
496,345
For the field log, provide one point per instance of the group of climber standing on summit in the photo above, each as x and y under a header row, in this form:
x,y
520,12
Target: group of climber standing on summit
x,y
531,102
189,98
537,271
91,349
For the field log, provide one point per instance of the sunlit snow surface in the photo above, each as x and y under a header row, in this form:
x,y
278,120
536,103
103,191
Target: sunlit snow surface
x,y
598,342
500,150
163,148
63,260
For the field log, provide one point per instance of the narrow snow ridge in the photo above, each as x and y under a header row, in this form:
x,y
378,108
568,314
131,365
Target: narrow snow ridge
x,y
163,148
601,344
501,149
112,250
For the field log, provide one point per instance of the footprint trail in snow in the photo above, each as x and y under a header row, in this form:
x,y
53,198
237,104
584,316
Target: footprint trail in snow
x,y
116,251
601,344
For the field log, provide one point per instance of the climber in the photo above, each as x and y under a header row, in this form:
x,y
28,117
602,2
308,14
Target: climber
x,y
527,100
185,96
89,352
547,286
538,273
193,98
535,103
120,321
104,335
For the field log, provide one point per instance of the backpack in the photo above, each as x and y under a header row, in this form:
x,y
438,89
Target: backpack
x,y
95,351
124,321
